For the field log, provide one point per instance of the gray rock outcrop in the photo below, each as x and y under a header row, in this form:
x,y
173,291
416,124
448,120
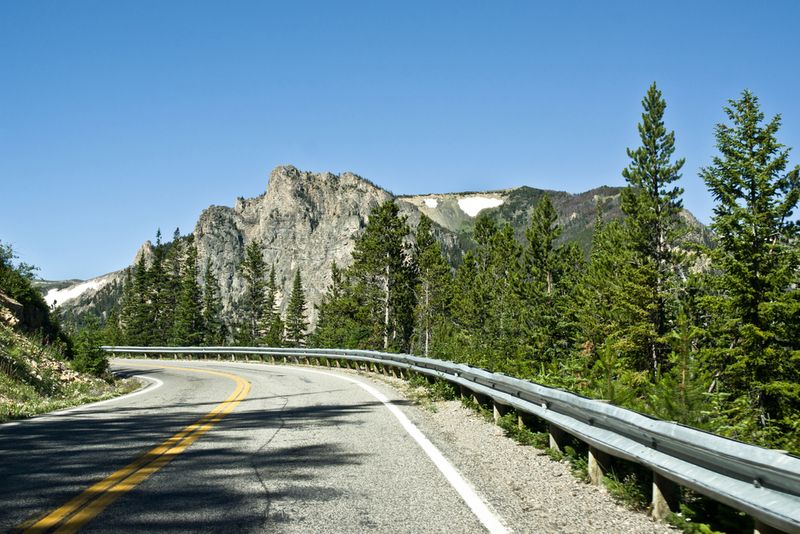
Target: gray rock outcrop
x,y
304,221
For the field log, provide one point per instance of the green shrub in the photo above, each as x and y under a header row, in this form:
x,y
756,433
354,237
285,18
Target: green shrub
x,y
88,356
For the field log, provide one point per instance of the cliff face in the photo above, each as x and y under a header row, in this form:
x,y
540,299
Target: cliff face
x,y
304,221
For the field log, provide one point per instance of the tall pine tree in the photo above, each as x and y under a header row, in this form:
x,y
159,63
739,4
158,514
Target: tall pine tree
x,y
187,330
653,205
253,271
296,321
487,309
434,288
270,326
758,355
139,327
548,280
213,326
383,271
165,283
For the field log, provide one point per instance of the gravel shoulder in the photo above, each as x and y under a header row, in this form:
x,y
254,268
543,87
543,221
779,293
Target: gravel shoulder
x,y
528,490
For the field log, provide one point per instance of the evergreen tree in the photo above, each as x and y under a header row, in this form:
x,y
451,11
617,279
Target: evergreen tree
x,y
680,393
270,326
160,294
88,356
383,272
166,279
126,306
344,319
757,255
296,321
487,310
653,206
549,277
609,313
434,290
139,330
213,327
187,329
253,271
467,313
111,332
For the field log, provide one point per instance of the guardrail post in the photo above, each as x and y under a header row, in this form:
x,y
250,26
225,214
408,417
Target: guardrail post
x,y
498,411
523,421
599,464
665,496
557,437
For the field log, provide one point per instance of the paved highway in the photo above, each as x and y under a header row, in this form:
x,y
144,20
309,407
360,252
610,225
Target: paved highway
x,y
231,447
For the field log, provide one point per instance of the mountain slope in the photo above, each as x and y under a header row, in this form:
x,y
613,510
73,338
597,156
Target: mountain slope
x,y
307,220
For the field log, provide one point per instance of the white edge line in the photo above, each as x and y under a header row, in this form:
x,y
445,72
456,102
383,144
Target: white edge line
x,y
478,506
155,383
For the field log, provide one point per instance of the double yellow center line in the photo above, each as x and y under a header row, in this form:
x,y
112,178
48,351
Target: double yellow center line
x,y
82,508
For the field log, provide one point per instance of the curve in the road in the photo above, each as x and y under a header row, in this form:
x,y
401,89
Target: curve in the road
x,y
81,509
464,489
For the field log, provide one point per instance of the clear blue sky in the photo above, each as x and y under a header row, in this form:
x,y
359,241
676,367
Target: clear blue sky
x,y
117,118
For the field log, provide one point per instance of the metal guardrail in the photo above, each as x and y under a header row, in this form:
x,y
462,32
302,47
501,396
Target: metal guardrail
x,y
761,482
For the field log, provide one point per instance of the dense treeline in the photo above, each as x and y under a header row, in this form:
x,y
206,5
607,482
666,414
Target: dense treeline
x,y
706,336
169,300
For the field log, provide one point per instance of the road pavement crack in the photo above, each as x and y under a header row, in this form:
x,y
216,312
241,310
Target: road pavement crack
x,y
254,466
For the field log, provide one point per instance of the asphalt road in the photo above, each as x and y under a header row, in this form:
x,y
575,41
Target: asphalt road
x,y
233,448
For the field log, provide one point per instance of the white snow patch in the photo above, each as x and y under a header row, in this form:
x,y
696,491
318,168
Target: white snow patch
x,y
61,296
472,206
432,202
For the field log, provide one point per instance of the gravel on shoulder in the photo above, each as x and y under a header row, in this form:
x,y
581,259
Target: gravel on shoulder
x,y
527,489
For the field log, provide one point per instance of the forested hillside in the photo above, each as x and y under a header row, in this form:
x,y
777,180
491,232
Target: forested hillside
x,y
706,336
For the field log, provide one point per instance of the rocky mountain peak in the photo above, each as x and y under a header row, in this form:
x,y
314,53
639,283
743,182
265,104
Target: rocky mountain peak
x,y
304,221
147,250
286,181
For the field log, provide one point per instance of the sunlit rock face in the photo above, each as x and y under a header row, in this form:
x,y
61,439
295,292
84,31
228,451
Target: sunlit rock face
x,y
304,221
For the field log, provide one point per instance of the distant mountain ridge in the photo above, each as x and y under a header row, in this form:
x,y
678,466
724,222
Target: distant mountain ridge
x,y
308,220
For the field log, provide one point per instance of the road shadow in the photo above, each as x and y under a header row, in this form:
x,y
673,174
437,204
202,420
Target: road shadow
x,y
225,485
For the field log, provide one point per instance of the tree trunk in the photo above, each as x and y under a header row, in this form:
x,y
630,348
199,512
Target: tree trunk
x,y
386,310
427,316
